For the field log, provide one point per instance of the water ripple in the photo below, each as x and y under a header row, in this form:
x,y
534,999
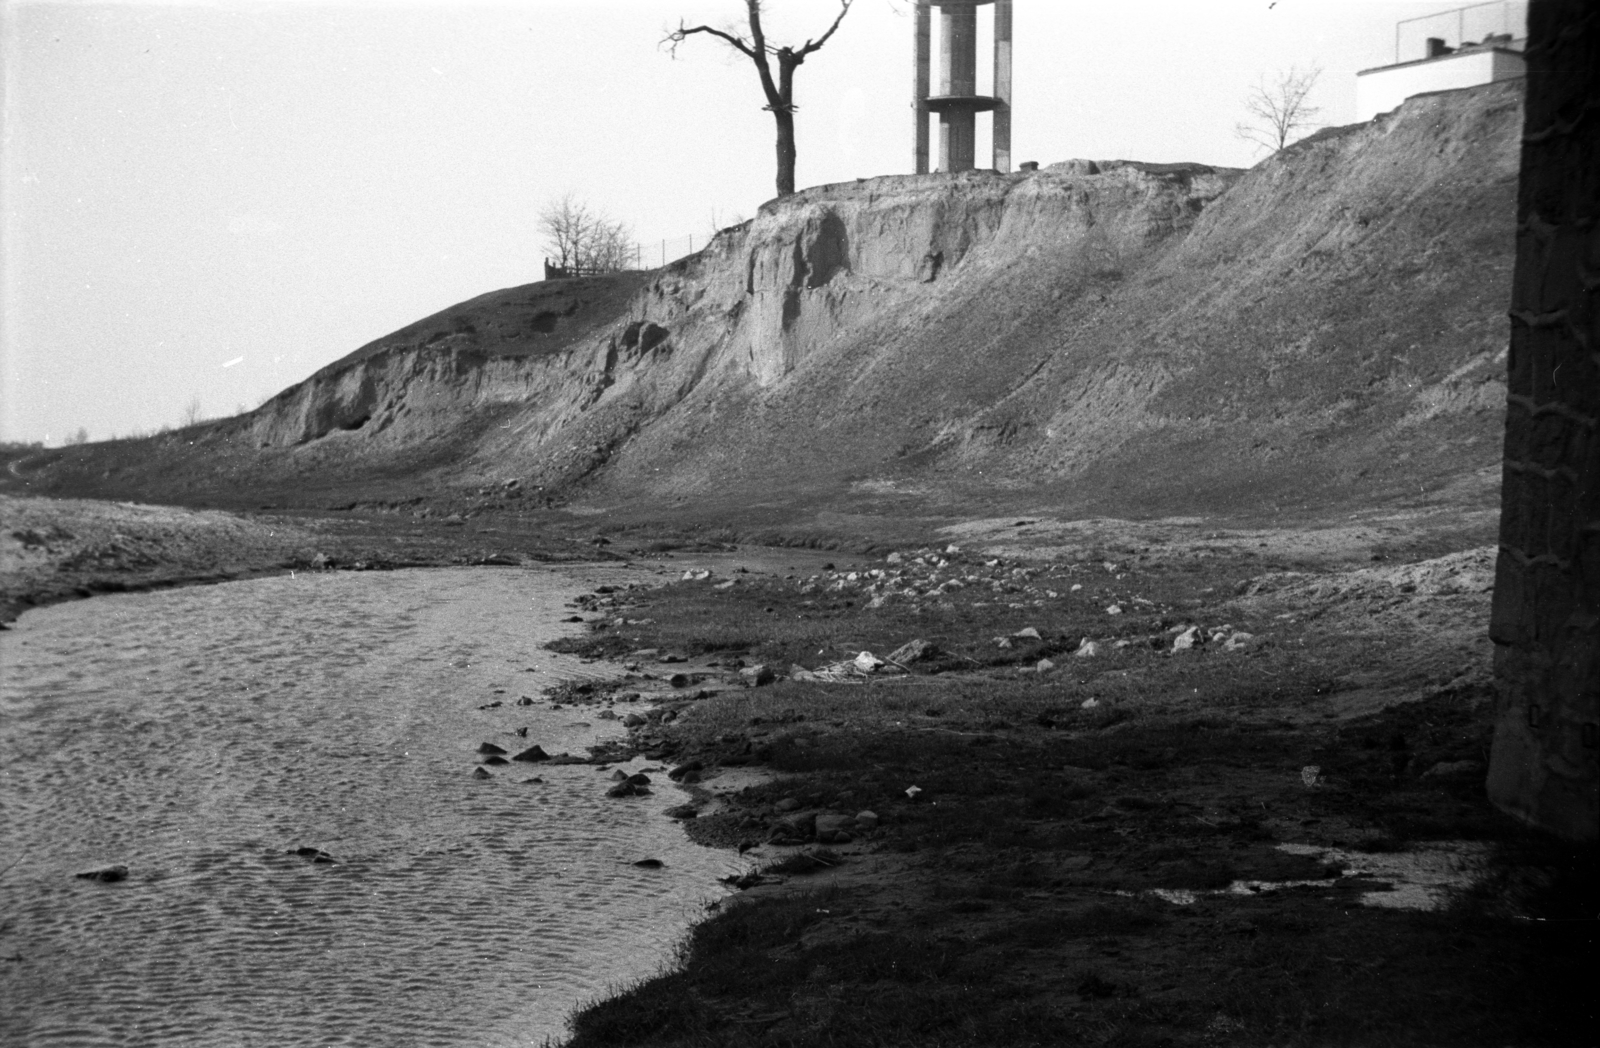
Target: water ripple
x,y
199,736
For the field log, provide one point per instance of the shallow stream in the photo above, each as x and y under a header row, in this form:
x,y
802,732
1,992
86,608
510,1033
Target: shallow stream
x,y
199,736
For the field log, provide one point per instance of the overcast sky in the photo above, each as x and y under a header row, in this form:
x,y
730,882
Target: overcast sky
x,y
211,200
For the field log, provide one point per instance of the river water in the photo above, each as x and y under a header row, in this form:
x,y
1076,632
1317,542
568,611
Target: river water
x,y
199,736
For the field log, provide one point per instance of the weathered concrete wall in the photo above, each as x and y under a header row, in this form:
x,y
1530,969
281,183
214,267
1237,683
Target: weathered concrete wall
x,y
1546,620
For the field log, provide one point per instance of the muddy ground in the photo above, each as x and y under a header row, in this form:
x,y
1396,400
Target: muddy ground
x,y
1177,782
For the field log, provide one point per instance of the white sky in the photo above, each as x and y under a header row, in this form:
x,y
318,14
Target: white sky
x,y
212,200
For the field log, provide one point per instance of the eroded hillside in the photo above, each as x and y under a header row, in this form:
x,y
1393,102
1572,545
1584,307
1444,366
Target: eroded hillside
x,y
1325,329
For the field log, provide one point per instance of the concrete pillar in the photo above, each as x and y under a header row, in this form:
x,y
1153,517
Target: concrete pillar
x,y
919,87
1545,764
1002,85
958,75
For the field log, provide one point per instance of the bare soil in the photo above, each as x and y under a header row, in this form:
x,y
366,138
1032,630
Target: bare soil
x,y
1149,845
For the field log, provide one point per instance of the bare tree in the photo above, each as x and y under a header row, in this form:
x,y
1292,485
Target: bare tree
x,y
581,240
192,413
779,92
1278,110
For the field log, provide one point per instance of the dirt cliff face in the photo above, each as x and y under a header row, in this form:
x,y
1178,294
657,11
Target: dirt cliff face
x,y
1116,337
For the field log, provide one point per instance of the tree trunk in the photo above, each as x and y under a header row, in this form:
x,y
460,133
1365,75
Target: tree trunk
x,y
786,151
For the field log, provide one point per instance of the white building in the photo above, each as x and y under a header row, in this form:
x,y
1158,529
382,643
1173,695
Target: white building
x,y
1497,56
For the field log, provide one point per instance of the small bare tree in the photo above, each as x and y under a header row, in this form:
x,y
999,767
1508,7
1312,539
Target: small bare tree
x,y
779,92
1278,110
579,239
192,413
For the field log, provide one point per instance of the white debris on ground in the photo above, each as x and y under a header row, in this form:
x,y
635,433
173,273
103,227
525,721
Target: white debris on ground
x,y
1422,879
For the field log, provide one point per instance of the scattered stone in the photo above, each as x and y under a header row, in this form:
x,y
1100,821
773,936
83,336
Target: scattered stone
x,y
1453,769
627,788
1002,642
1044,666
893,558
1309,776
525,782
912,791
1089,704
867,662
679,680
683,770
107,875
1088,649
756,676
531,754
491,705
650,864
1076,586
1188,639
832,828
573,618
489,747
913,651
633,720
495,759
787,804
479,773
672,657
1240,639
682,811
314,854
799,826
525,701
1027,633
606,715
866,820
1114,609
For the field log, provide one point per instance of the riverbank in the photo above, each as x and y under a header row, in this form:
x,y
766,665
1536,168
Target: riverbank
x,y
1140,782
1107,782
65,549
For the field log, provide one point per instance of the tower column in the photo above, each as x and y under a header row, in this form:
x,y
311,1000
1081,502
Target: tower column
x,y
958,75
919,86
1002,85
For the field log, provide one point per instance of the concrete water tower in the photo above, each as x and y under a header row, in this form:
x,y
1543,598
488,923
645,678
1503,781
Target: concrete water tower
x,y
958,102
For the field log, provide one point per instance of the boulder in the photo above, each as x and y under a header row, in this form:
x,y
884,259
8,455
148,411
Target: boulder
x,y
866,820
787,804
495,759
1044,666
627,788
1088,649
479,773
682,811
489,747
532,753
1027,633
633,720
1238,640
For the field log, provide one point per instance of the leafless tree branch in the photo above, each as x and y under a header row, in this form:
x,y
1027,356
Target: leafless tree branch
x,y
1278,110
